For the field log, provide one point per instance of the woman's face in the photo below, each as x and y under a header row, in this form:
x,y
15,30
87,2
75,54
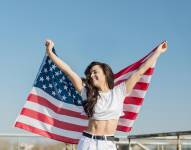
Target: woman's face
x,y
97,76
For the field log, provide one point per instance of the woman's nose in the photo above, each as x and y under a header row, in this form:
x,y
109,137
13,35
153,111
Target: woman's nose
x,y
91,75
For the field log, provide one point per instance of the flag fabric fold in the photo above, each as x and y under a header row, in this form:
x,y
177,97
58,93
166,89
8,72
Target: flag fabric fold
x,y
54,108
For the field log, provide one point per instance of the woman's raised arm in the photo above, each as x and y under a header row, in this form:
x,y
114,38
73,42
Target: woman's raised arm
x,y
134,78
74,77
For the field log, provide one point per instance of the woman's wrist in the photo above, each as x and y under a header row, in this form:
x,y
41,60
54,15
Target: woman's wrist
x,y
157,53
48,51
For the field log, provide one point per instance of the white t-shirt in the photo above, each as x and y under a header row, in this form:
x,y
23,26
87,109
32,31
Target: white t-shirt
x,y
109,104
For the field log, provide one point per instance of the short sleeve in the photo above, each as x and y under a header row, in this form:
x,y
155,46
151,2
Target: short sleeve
x,y
83,93
121,90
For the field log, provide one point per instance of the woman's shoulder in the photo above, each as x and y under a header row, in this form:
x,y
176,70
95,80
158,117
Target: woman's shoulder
x,y
83,92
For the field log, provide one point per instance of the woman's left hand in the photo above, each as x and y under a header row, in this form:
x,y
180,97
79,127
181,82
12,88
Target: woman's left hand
x,y
162,47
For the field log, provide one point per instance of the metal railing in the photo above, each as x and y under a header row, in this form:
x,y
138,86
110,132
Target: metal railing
x,y
156,141
159,141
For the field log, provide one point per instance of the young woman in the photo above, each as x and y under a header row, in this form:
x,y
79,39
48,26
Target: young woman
x,y
103,102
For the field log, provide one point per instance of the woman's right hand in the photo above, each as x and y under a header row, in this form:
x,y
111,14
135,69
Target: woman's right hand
x,y
49,45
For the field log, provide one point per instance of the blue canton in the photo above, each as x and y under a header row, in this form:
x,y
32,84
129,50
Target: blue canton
x,y
54,82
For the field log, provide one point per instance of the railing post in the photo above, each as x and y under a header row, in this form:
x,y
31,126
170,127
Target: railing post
x,y
178,143
18,147
158,147
129,144
162,147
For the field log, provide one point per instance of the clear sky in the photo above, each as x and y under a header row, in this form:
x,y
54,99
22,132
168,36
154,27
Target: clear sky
x,y
115,32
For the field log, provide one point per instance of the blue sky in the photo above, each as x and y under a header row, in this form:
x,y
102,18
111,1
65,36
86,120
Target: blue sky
x,y
115,32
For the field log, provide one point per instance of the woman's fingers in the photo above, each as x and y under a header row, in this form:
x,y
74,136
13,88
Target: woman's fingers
x,y
49,43
164,45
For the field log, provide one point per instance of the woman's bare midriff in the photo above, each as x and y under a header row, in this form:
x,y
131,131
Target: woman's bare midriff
x,y
102,127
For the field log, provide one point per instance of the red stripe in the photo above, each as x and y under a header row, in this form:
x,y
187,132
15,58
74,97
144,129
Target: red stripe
x,y
129,115
45,133
141,86
123,128
44,102
127,69
133,100
54,122
149,71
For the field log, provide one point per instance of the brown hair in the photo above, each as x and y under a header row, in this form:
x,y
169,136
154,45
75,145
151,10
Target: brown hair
x,y
92,91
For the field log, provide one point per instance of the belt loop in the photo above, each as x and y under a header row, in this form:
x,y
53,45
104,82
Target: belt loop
x,y
92,136
105,137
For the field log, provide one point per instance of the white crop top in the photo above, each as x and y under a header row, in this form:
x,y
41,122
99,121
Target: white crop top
x,y
109,104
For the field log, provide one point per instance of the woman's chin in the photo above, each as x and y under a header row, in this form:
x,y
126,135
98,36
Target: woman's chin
x,y
96,85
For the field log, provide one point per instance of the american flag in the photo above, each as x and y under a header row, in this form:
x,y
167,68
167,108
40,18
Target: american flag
x,y
54,108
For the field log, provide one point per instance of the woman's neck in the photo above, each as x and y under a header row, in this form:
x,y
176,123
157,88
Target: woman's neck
x,y
104,88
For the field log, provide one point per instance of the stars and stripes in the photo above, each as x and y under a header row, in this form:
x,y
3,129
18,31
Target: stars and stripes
x,y
54,108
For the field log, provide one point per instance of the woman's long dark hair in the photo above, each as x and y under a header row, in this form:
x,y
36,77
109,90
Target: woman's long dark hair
x,y
92,91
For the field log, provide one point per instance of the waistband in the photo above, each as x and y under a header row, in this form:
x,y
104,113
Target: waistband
x,y
100,137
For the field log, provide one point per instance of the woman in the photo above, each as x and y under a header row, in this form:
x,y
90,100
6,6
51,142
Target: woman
x,y
103,102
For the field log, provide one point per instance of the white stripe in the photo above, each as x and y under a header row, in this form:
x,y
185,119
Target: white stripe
x,y
145,79
48,112
124,76
154,64
39,92
125,122
137,93
43,126
131,108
